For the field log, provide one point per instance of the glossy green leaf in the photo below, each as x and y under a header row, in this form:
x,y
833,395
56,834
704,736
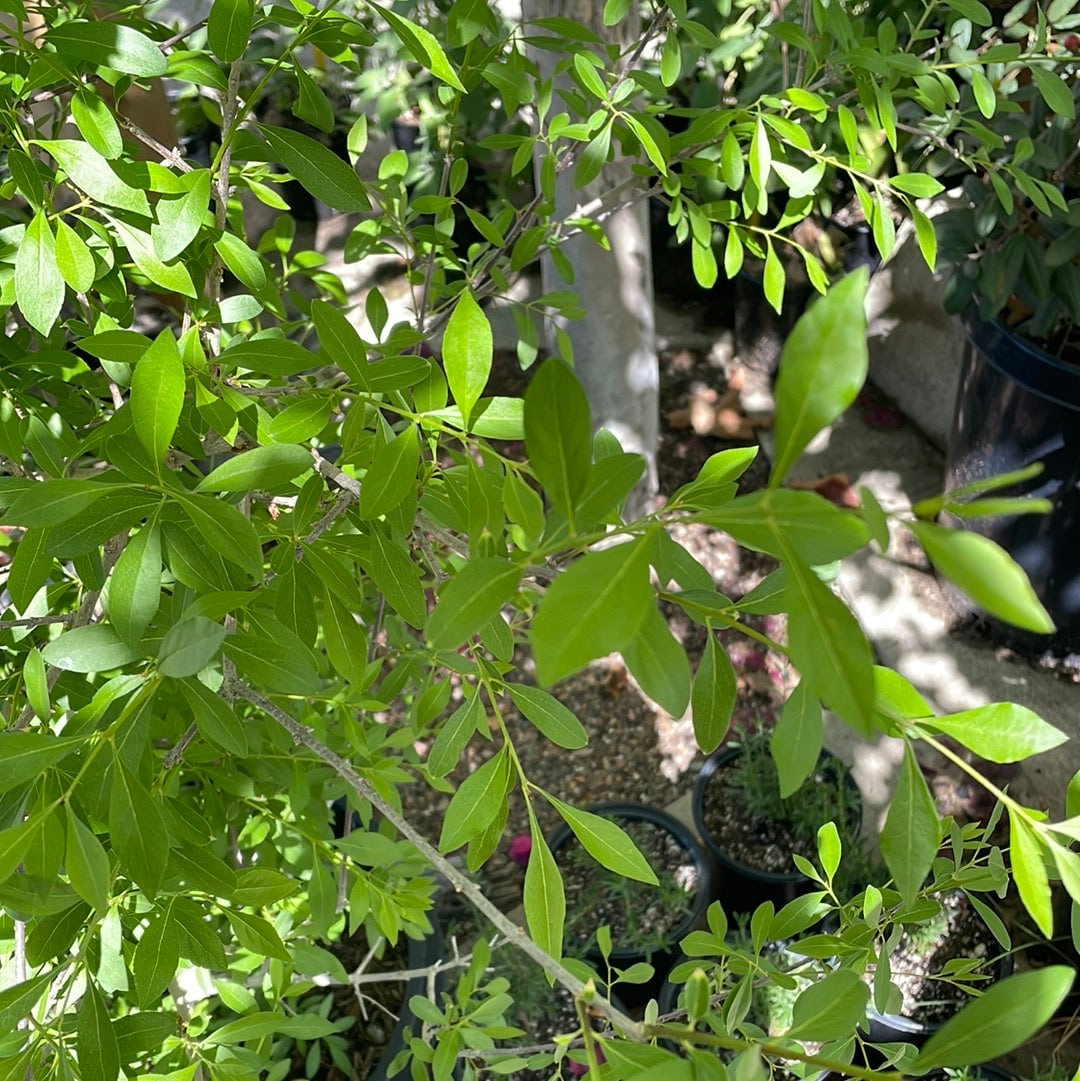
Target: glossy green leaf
x,y
659,663
918,185
91,172
1000,731
591,609
311,103
172,277
228,28
135,585
822,368
95,648
423,46
912,830
73,258
830,1008
95,1040
227,532
1029,871
477,801
713,696
189,646
96,123
549,716
796,739
257,935
391,477
1006,1015
558,434
476,593
544,897
39,285
157,395
318,169
53,502
467,353
216,719
179,219
270,468
36,685
703,263
156,958
339,339
606,841
986,573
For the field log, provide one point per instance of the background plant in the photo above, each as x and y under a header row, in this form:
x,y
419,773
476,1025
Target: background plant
x,y
203,613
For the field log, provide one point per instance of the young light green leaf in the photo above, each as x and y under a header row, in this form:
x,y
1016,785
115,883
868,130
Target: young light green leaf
x,y
544,896
95,648
796,739
318,169
467,352
822,368
986,573
830,1008
189,646
173,277
773,279
91,172
39,285
392,474
36,685
607,843
270,468
95,1039
912,831
1000,731
703,263
156,958
179,219
476,593
713,696
659,663
96,123
1006,1015
549,716
157,395
135,585
229,27
73,258
1029,871
476,802
592,609
829,848
87,863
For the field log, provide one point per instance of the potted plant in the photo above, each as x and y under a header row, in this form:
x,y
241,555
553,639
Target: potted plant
x,y
753,832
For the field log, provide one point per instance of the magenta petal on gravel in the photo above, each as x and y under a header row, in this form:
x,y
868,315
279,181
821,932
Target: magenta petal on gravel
x,y
520,847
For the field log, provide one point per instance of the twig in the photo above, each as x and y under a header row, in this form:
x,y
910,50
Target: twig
x,y
177,752
169,155
406,974
461,882
35,621
343,480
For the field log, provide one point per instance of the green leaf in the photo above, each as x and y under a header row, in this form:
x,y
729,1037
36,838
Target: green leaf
x,y
179,219
454,736
703,263
311,103
468,600
830,848
95,1040
397,578
273,664
732,163
912,830
549,716
592,609
227,532
96,123
477,802
986,573
91,172
157,395
773,279
270,468
1055,91
189,646
257,935
173,276
156,958
558,434
318,169
259,886
27,755
95,648
36,685
19,1000
270,356
15,842
228,28
346,643
135,585
607,843
467,352
216,719
917,185
822,368
73,258
1004,1016
1029,871
137,830
659,663
39,285
1000,731
340,341
830,1008
391,477
257,1026
796,739
54,502
713,697
544,897
423,45
109,45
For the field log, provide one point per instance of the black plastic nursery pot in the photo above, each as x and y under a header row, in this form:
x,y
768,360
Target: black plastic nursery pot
x,y
741,887
662,956
1017,405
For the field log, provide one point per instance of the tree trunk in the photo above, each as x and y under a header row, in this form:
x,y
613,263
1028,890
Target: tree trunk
x,y
615,343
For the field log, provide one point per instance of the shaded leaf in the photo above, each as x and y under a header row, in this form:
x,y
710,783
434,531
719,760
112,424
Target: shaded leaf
x,y
270,468
713,696
912,830
796,739
549,716
475,594
95,648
